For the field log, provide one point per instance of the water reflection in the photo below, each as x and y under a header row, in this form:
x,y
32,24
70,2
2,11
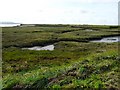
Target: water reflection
x,y
108,39
48,47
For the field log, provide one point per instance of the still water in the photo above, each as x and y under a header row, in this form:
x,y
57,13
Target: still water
x,y
9,25
108,39
48,47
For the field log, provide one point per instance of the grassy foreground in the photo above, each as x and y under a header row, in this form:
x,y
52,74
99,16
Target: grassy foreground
x,y
75,63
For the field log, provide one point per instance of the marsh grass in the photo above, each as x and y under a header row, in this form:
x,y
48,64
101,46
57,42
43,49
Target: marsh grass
x,y
73,64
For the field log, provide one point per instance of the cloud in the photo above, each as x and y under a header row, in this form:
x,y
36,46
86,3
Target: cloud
x,y
84,11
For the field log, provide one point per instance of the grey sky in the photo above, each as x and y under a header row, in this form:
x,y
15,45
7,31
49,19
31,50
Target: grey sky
x,y
60,11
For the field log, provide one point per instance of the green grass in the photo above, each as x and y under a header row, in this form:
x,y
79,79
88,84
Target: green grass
x,y
73,64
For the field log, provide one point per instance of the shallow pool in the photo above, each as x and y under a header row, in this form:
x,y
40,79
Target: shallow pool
x,y
48,47
108,39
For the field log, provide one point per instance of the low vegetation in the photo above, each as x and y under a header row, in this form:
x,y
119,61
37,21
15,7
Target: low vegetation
x,y
75,63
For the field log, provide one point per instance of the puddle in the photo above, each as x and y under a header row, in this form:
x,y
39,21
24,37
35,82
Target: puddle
x,y
108,39
48,47
88,30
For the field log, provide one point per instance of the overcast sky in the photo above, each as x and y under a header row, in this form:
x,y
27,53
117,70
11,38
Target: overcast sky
x,y
60,11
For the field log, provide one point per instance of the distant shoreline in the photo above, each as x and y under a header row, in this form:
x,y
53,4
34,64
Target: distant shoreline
x,y
11,24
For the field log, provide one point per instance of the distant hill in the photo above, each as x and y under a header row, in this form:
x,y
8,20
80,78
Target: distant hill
x,y
8,23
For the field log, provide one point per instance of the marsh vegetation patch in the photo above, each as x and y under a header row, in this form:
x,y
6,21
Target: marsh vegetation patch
x,y
75,62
